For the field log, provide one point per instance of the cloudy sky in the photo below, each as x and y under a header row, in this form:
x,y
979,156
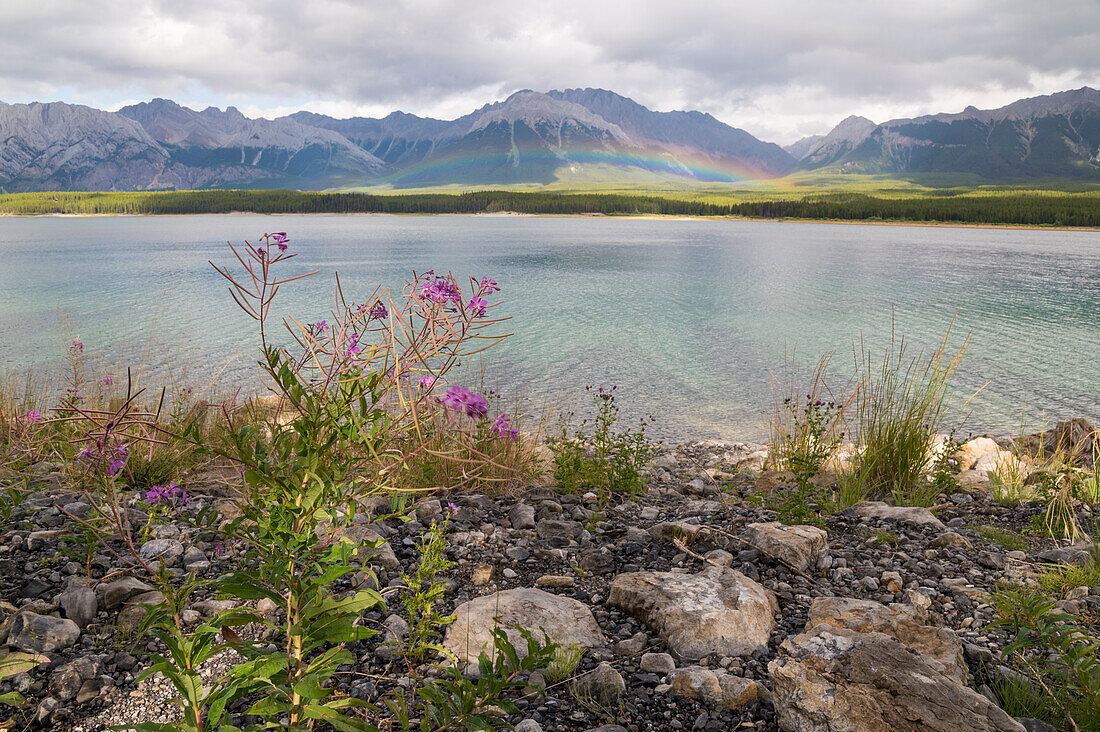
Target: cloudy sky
x,y
780,69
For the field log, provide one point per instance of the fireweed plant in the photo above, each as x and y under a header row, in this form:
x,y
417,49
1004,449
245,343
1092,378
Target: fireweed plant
x,y
352,393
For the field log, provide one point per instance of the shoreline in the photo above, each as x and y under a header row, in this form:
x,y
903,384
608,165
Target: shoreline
x,y
655,217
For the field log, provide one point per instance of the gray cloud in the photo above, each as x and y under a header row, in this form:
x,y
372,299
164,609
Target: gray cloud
x,y
778,69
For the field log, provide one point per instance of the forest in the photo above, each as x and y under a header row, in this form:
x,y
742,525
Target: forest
x,y
1018,208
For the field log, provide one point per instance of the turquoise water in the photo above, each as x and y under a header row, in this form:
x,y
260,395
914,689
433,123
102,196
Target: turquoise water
x,y
688,317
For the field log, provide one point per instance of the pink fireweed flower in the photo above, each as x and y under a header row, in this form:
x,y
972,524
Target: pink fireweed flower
x,y
427,381
461,399
32,416
280,239
77,347
378,311
440,291
488,285
107,381
452,508
170,494
353,345
502,427
477,307
118,460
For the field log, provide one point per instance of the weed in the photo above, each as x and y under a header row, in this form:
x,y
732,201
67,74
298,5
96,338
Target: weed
x,y
1008,540
1054,653
1059,579
606,460
565,661
424,592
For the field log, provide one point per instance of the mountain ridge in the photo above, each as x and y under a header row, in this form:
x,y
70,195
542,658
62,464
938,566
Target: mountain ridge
x,y
531,138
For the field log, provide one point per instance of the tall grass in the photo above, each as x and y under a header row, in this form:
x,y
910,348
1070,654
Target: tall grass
x,y
901,406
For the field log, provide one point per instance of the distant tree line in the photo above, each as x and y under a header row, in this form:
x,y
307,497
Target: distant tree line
x,y
1053,208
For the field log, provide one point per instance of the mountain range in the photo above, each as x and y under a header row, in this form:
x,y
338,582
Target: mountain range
x,y
580,136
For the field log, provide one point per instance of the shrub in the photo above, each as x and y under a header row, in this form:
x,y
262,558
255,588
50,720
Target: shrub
x,y
1055,654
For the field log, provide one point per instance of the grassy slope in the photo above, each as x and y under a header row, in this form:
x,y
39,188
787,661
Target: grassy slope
x,y
792,187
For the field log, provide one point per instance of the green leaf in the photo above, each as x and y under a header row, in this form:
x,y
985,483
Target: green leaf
x,y
17,663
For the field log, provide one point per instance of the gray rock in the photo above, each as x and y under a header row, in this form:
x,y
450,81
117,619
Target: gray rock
x,y
910,625
657,663
397,627
79,604
34,633
718,610
633,645
670,530
67,680
117,593
372,547
564,620
604,684
716,687
528,725
522,516
908,514
169,551
555,529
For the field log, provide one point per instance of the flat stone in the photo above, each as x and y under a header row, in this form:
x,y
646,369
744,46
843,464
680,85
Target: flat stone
x,y
716,687
908,514
950,538
798,546
670,530
718,610
169,551
555,529
657,663
555,580
563,619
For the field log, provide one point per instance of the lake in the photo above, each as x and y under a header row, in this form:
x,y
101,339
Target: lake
x,y
687,317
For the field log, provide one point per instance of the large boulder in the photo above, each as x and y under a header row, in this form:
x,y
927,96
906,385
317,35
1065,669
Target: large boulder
x,y
911,625
563,620
798,546
974,450
837,680
1075,436
908,514
718,610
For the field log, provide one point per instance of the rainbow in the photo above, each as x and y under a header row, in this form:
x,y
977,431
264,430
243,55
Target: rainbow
x,y
545,165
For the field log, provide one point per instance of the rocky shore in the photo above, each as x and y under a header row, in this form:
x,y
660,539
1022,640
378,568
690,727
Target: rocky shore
x,y
697,609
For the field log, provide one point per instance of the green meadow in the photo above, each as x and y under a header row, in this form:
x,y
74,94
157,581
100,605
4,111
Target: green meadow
x,y
826,197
